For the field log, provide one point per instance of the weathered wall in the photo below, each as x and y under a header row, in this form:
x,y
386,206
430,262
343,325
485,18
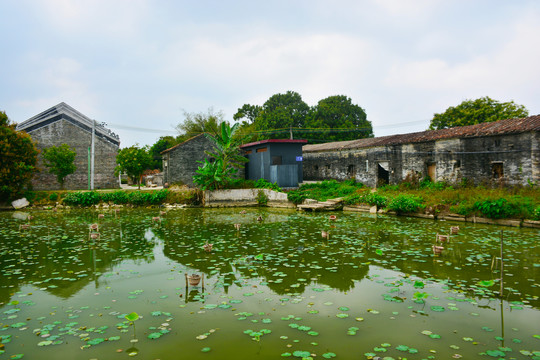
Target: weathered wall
x,y
450,160
64,132
181,162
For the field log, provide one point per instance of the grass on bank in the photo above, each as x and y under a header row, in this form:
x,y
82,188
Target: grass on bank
x,y
434,198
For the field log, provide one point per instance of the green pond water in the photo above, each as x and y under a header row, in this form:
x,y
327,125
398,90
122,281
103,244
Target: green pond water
x,y
274,288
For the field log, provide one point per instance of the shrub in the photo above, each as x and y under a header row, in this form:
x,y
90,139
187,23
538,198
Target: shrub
x,y
262,199
405,203
496,209
116,197
79,198
53,196
263,184
536,214
297,196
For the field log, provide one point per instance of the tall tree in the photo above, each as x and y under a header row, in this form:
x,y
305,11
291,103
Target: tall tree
x,y
471,112
198,123
133,161
18,158
340,119
280,113
60,161
249,112
163,143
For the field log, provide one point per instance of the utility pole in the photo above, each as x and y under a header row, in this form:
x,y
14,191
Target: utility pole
x,y
92,155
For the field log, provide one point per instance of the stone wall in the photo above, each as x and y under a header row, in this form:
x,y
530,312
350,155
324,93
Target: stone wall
x,y
511,159
64,132
182,161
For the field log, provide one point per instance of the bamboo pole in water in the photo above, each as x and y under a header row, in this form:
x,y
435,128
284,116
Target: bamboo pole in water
x,y
502,267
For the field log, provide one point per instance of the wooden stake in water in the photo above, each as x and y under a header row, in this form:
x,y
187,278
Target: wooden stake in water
x,y
502,267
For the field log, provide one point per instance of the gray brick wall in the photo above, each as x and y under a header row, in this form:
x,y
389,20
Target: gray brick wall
x,y
453,160
181,162
63,132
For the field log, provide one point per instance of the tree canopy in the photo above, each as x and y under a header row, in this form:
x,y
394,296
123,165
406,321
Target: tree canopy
x,y
334,118
18,158
60,161
197,123
163,143
342,119
280,113
133,161
471,112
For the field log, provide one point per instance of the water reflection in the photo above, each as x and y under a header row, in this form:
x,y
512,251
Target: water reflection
x,y
285,250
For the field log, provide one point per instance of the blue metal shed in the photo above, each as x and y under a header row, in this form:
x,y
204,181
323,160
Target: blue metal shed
x,y
275,160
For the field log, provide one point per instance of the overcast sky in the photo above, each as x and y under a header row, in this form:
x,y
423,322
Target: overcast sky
x,y
139,64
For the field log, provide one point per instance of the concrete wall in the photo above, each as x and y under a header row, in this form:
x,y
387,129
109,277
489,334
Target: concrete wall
x,y
64,132
244,197
450,160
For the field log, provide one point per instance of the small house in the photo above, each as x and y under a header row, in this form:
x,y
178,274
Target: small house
x,y
62,124
181,161
275,160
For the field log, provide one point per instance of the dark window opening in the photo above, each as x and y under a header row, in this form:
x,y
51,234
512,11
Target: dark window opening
x,y
262,150
276,160
457,164
383,176
497,170
497,142
249,152
316,167
328,167
350,170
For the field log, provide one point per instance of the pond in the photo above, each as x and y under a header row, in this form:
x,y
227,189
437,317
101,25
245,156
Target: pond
x,y
271,287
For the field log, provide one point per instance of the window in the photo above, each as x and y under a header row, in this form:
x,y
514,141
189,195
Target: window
x,y
316,167
262,150
249,152
276,160
350,170
497,171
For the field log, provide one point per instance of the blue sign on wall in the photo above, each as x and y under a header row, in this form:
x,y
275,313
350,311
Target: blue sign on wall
x,y
299,158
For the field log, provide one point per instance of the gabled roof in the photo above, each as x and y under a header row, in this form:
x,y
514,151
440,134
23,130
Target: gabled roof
x,y
501,127
63,111
274,141
182,143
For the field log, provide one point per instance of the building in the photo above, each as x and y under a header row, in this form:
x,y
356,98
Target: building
x,y
62,124
276,160
181,161
505,152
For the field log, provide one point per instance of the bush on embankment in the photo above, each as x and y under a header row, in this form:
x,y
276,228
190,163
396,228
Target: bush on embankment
x,y
438,197
117,197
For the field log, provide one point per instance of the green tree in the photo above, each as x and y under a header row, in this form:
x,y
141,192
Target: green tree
x,y
197,123
18,158
280,113
163,143
133,161
249,112
471,112
60,161
341,119
227,159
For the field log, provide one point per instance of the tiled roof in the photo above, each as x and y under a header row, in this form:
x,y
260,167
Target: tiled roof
x,y
509,126
65,112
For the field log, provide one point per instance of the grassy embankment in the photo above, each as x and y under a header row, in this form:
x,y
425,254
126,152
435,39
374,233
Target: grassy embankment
x,y
433,198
